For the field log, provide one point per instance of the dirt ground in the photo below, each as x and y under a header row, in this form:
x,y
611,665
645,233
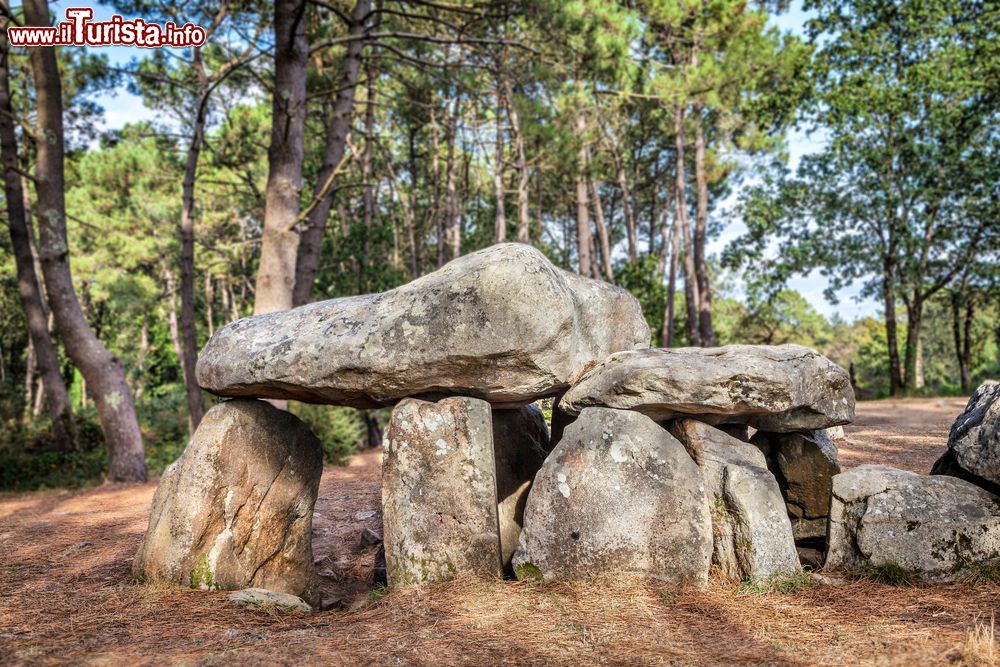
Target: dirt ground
x,y
66,596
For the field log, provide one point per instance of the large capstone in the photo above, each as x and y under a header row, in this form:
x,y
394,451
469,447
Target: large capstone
x,y
772,388
235,510
752,535
439,492
618,496
937,527
502,324
974,442
804,464
520,445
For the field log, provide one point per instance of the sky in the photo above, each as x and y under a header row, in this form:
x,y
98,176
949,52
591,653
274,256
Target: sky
x,y
121,107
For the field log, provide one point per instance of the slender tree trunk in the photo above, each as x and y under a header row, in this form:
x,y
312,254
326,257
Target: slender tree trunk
x,y
338,127
189,331
436,217
373,431
583,236
914,326
102,371
630,231
209,303
889,305
454,228
41,349
280,242
140,384
523,174
411,219
675,251
29,377
367,175
500,222
700,229
602,232
691,296
970,310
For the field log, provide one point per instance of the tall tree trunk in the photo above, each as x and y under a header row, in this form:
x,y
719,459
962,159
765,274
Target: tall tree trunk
x,y
209,303
630,231
700,229
889,307
583,236
454,228
411,219
367,174
338,127
675,251
102,371
691,296
438,223
29,376
523,174
280,242
914,326
41,351
602,232
500,222
189,331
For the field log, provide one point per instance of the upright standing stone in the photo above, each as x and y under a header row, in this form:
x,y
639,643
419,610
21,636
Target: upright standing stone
x,y
520,443
804,464
617,496
439,491
751,531
235,510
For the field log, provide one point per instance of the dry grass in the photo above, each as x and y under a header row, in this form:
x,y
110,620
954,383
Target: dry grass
x,y
67,598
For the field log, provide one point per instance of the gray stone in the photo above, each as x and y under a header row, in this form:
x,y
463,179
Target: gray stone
x,y
804,464
439,493
265,599
617,496
502,324
974,442
835,433
520,445
235,510
752,536
773,388
937,527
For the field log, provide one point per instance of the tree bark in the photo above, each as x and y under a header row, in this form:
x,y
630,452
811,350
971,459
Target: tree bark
x,y
338,127
602,232
583,236
523,174
914,325
42,351
675,249
453,231
102,371
691,296
280,242
700,229
500,222
630,232
188,328
889,308
367,175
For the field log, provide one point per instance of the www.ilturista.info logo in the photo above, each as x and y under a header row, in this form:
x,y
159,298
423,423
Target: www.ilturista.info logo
x,y
79,30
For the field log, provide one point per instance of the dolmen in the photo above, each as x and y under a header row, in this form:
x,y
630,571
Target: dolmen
x,y
666,463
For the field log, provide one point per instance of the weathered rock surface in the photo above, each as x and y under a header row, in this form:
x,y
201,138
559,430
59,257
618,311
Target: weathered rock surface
x,y
804,464
502,324
235,510
974,442
520,445
439,492
751,531
617,496
772,388
259,597
937,527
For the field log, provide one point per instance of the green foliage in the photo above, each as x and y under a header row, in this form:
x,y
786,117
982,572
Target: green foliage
x,y
983,573
643,280
340,430
891,574
780,584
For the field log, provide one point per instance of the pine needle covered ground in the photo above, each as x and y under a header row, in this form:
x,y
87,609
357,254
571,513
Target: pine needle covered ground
x,y
66,595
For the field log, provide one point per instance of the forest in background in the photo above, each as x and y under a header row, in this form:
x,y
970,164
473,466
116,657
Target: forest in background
x,y
319,148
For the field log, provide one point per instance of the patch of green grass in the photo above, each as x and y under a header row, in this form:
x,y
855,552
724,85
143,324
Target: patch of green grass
x,y
527,572
788,583
201,575
890,574
987,572
377,593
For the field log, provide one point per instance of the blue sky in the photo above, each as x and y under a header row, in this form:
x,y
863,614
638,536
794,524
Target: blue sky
x,y
122,107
